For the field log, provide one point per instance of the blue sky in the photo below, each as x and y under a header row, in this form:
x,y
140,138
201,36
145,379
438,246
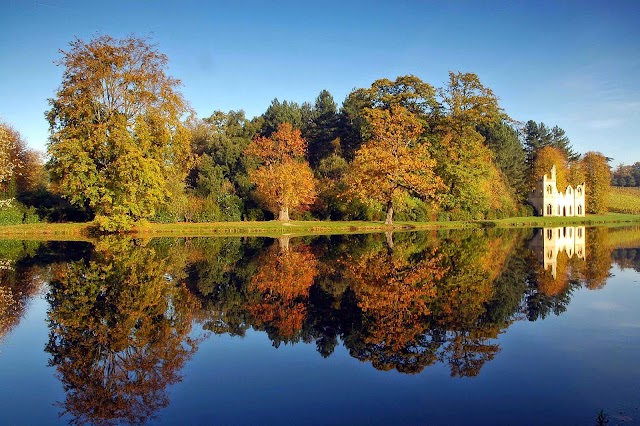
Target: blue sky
x,y
571,63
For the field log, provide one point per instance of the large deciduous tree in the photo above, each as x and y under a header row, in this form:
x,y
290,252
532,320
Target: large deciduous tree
x,y
116,137
597,182
393,163
284,180
475,187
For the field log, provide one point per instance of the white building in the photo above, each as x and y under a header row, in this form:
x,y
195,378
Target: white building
x,y
548,201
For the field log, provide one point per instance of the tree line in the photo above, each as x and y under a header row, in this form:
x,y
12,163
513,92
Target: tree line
x,y
125,146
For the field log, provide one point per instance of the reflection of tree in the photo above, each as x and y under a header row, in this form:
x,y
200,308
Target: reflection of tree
x,y
24,268
394,291
282,279
118,333
627,258
598,263
217,276
422,304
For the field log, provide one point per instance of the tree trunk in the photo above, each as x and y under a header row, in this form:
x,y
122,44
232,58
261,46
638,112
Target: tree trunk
x,y
389,220
284,214
283,242
389,236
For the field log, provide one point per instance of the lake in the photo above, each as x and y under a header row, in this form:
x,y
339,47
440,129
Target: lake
x,y
483,326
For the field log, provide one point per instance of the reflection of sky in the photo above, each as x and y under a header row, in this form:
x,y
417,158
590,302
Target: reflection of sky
x,y
560,370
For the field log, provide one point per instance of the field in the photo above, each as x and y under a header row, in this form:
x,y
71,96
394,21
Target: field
x,y
624,200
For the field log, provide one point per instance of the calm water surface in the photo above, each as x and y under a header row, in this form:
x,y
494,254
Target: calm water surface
x,y
457,327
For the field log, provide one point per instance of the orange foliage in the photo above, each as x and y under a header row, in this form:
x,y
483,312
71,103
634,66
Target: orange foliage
x,y
285,180
283,280
546,158
395,292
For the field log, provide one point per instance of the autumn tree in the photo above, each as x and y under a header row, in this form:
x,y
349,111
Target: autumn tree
x,y
21,168
116,137
394,162
8,141
407,91
284,180
474,185
597,182
546,158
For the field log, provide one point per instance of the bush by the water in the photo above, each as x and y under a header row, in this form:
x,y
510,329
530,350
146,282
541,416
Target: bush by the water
x,y
624,200
14,213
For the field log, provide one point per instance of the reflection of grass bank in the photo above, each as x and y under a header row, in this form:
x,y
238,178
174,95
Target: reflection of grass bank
x,y
80,231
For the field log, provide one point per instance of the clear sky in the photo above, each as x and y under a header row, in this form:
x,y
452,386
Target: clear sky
x,y
575,64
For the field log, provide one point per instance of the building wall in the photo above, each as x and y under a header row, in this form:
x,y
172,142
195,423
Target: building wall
x,y
548,201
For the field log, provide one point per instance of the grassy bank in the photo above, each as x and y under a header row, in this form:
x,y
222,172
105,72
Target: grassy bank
x,y
80,231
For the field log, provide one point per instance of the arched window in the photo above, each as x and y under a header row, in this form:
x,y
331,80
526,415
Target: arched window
x,y
569,190
559,211
550,254
549,234
570,232
549,209
579,232
579,190
549,190
579,209
570,210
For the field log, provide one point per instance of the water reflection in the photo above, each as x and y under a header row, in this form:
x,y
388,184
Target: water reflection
x,y
119,328
121,312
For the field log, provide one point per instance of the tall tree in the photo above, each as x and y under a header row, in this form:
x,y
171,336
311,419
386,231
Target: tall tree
x,y
508,152
116,136
538,135
322,129
597,182
284,112
407,91
393,163
474,184
284,180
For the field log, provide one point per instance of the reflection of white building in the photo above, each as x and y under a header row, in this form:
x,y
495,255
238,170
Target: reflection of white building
x,y
548,201
549,242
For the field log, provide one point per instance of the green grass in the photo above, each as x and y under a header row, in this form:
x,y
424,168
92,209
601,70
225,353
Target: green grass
x,y
80,231
624,200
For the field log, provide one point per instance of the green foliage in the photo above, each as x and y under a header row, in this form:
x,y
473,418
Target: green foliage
x,y
509,154
15,213
116,134
323,129
538,135
285,112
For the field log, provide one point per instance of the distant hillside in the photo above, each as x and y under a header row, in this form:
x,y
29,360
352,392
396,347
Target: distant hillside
x,y
624,200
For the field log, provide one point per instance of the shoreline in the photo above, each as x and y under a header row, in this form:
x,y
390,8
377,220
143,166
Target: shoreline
x,y
81,231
